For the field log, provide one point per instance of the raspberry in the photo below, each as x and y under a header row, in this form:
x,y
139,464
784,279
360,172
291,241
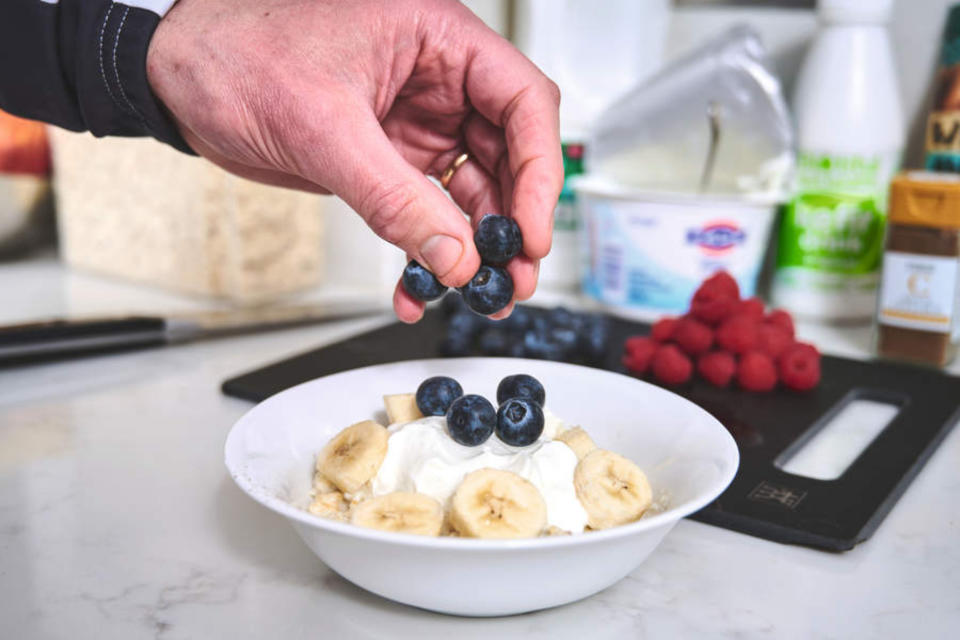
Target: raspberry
x,y
738,335
717,367
670,366
756,372
752,307
773,340
692,336
638,350
663,329
723,282
782,319
800,367
712,305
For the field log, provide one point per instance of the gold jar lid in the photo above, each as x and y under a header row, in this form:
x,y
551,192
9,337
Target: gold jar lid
x,y
925,199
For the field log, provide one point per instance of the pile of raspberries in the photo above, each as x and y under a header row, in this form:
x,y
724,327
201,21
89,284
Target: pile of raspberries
x,y
727,338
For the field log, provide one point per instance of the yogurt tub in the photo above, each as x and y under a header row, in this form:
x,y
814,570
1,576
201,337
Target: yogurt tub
x,y
646,252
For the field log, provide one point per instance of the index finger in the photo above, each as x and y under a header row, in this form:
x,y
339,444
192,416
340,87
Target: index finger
x,y
511,92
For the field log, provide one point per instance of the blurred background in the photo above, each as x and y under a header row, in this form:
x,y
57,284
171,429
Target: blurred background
x,y
100,227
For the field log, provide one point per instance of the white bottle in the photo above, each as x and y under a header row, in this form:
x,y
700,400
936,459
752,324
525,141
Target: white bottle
x,y
850,132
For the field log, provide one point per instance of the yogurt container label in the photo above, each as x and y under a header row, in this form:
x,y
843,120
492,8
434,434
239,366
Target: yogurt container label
x,y
648,256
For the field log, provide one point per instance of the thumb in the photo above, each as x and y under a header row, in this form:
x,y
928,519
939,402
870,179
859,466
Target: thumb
x,y
400,204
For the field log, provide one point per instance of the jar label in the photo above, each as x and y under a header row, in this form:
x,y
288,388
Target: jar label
x,y
835,224
918,291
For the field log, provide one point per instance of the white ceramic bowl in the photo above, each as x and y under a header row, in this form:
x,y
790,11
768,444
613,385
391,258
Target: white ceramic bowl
x,y
687,455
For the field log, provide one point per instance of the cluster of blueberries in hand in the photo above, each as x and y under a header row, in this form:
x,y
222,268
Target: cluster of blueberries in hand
x,y
498,240
556,334
471,418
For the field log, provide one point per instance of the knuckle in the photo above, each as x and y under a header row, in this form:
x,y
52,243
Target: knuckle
x,y
553,90
390,212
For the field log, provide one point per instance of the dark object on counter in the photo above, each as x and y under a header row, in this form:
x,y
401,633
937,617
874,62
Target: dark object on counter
x,y
917,311
763,500
68,338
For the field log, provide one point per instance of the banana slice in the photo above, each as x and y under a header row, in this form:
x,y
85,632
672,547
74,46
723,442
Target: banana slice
x,y
612,489
400,512
491,503
329,505
322,485
578,440
354,455
401,407
554,530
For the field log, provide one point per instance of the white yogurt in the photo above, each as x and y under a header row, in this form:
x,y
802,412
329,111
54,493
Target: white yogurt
x,y
422,457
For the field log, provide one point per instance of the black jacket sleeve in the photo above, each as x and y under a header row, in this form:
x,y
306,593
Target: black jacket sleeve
x,y
81,65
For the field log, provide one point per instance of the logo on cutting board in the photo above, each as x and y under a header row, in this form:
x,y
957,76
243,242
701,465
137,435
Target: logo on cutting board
x,y
717,237
778,494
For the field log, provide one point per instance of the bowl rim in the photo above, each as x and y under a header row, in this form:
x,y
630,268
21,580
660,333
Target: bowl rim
x,y
672,515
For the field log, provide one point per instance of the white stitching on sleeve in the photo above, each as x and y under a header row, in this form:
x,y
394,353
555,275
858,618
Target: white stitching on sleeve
x,y
116,69
103,73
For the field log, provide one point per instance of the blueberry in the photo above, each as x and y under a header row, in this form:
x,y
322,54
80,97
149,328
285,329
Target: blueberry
x,y
519,422
498,239
471,419
452,304
489,291
518,321
566,338
436,394
540,345
420,283
540,324
464,325
593,338
562,317
516,348
455,347
522,386
494,342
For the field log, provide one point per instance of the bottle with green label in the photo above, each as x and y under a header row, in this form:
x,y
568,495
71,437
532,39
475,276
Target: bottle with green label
x,y
850,134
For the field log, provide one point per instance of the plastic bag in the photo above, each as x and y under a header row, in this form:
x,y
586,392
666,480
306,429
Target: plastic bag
x,y
713,122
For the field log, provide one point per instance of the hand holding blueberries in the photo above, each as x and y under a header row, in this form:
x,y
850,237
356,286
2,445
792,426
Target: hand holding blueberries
x,y
365,99
498,240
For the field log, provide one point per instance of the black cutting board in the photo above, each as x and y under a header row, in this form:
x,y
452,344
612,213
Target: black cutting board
x,y
763,500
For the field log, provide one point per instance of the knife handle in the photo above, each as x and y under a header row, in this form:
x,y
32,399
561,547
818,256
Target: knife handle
x,y
64,338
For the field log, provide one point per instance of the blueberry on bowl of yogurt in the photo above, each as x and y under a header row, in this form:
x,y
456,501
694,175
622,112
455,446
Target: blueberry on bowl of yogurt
x,y
519,422
436,394
471,420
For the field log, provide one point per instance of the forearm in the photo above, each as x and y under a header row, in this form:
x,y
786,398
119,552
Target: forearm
x,y
81,65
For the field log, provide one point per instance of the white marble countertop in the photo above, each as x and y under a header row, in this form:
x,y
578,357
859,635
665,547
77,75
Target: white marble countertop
x,y
117,520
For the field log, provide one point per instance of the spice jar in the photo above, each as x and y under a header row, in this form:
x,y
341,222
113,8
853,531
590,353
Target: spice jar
x,y
918,317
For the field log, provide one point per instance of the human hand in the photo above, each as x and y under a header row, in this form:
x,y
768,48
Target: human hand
x,y
364,99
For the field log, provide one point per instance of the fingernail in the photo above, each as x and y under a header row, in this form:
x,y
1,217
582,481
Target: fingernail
x,y
441,253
